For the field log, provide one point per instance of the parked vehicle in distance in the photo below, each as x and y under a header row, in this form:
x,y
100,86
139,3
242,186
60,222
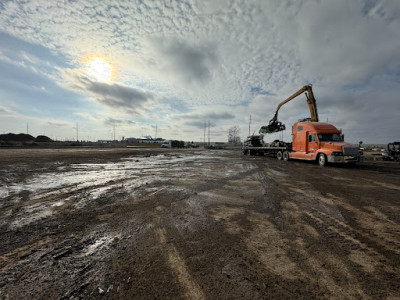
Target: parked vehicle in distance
x,y
392,152
166,144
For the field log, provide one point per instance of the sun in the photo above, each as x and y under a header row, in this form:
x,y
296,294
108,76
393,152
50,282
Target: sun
x,y
98,68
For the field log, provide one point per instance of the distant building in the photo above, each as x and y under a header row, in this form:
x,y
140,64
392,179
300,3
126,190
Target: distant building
x,y
146,139
105,141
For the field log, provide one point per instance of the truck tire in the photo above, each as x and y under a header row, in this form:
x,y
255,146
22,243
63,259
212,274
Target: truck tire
x,y
245,152
322,159
279,155
285,155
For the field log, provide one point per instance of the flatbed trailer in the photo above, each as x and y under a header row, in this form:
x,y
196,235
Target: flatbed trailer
x,y
271,151
253,146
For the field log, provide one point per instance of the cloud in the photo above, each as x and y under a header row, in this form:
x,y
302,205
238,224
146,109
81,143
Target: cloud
x,y
197,120
118,96
58,124
106,120
192,62
114,96
113,121
337,43
87,116
206,116
196,123
5,110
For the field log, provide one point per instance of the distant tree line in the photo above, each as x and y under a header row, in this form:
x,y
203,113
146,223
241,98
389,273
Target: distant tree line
x,y
22,137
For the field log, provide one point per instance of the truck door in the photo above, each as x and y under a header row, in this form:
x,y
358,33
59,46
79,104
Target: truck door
x,y
312,145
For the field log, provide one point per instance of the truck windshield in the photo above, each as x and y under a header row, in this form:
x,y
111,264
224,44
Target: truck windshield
x,y
330,137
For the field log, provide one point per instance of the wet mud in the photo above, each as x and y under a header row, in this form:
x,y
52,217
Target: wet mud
x,y
195,224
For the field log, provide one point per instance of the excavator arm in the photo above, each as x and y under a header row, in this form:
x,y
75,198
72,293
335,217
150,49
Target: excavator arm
x,y
275,126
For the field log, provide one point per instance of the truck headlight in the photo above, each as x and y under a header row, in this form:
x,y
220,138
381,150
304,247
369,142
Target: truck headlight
x,y
336,153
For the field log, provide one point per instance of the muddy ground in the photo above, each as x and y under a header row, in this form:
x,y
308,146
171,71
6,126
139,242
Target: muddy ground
x,y
195,224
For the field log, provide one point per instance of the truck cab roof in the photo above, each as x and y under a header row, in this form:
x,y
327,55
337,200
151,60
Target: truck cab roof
x,y
315,126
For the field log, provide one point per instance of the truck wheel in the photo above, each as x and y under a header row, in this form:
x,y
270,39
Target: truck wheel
x,y
279,155
245,152
321,159
285,156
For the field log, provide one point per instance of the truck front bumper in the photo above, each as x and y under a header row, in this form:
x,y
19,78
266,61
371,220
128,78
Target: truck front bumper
x,y
342,159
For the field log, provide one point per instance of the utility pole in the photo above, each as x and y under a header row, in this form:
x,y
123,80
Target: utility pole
x,y
156,133
114,132
204,140
249,124
27,128
209,132
77,136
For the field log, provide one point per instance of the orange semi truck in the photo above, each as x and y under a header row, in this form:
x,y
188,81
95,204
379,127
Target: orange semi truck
x,y
312,140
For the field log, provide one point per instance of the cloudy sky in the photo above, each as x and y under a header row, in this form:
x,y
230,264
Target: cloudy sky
x,y
133,66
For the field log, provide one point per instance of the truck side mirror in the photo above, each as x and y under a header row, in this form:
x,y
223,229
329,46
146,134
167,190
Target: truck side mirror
x,y
342,137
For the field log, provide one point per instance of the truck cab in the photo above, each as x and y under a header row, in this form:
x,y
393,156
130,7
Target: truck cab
x,y
323,142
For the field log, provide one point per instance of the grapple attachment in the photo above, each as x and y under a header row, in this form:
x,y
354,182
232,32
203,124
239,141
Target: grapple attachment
x,y
272,127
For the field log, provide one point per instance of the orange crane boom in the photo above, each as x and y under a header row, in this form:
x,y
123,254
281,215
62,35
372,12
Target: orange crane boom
x,y
275,126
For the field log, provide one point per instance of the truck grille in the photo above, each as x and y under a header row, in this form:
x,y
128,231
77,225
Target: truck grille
x,y
350,151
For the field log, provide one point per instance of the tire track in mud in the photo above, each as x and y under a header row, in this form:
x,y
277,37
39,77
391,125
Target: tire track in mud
x,y
278,243
179,268
197,205
360,248
261,228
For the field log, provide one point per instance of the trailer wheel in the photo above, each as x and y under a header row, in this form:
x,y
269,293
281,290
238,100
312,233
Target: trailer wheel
x,y
279,155
321,159
285,156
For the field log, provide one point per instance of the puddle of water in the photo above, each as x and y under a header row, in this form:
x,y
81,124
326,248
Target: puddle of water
x,y
85,175
98,245
59,203
4,191
31,214
88,182
278,173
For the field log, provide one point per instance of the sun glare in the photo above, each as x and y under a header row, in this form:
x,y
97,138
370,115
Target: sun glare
x,y
98,68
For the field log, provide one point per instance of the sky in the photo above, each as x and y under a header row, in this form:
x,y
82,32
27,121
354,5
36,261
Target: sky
x,y
90,69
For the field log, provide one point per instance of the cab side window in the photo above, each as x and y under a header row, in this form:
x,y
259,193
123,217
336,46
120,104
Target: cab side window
x,y
312,138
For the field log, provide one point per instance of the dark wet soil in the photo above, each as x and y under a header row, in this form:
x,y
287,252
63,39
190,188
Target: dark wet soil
x,y
195,224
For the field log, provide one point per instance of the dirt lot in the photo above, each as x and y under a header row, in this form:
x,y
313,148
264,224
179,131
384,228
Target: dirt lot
x,y
195,224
